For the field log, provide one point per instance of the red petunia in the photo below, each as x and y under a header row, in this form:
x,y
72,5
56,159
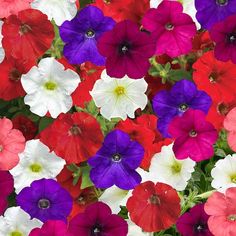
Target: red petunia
x,y
27,36
74,137
154,207
216,78
143,130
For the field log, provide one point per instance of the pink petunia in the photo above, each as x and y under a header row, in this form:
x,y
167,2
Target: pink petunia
x,y
194,136
230,126
12,142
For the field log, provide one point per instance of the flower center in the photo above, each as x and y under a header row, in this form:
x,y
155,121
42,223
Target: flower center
x,y
24,29
36,168
222,109
183,107
176,168
213,77
50,85
232,217
116,157
75,130
107,1
124,48
154,199
232,38
43,203
169,26
233,178
199,227
222,2
120,90
193,133
1,148
96,230
15,75
90,33
16,233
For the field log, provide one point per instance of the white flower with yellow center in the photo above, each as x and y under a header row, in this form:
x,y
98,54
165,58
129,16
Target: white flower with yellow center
x,y
49,87
119,98
167,169
36,162
224,173
59,10
2,52
17,222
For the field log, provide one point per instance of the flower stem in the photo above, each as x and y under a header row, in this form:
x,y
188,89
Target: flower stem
x,y
205,195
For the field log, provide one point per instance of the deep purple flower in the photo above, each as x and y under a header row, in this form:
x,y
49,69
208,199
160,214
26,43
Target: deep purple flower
x,y
194,222
194,136
81,35
212,11
127,50
116,161
182,96
98,220
45,200
224,34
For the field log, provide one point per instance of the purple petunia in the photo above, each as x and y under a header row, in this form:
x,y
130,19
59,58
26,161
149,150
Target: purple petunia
x,y
212,11
182,96
194,222
98,220
45,200
81,35
116,161
127,50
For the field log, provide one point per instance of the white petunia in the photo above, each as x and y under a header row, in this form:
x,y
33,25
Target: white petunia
x,y
2,52
224,173
135,230
188,5
119,98
17,222
49,87
167,169
59,10
115,197
36,162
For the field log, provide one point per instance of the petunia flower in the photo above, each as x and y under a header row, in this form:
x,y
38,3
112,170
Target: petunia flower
x,y
173,31
182,96
194,136
194,222
82,33
127,50
229,125
223,34
12,142
224,173
98,220
154,207
222,211
6,186
211,12
17,222
216,78
49,87
27,36
36,162
45,200
135,230
73,137
12,7
59,11
119,97
165,168
116,161
2,52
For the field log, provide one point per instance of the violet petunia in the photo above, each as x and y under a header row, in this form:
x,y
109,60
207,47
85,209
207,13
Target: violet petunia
x,y
172,29
194,222
81,34
194,136
116,161
45,200
98,220
212,11
127,50
224,35
183,95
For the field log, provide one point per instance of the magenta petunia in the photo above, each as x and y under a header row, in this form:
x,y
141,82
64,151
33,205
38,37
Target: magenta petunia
x,y
194,136
127,50
172,28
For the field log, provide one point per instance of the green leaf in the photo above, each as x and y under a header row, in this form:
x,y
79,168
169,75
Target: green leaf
x,y
86,181
176,75
45,122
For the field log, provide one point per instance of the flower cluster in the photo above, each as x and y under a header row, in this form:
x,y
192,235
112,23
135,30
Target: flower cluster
x,y
117,118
